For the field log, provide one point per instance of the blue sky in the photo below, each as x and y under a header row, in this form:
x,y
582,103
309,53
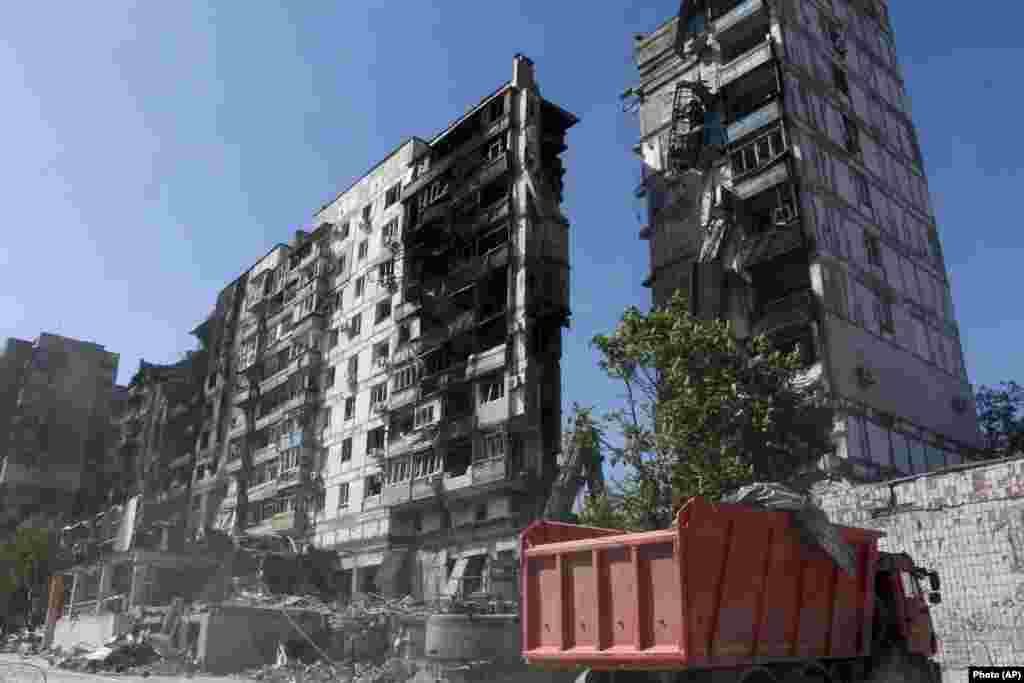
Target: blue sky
x,y
151,151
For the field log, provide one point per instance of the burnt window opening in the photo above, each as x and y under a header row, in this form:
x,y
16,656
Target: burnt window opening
x,y
480,512
491,334
751,92
493,239
743,38
393,194
375,438
404,333
494,293
781,277
459,457
434,362
873,248
455,138
374,484
401,425
496,109
799,339
459,348
851,136
495,149
771,209
465,298
495,192
459,401
840,80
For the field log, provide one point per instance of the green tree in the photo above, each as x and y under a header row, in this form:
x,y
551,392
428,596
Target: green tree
x,y
1000,412
26,563
705,412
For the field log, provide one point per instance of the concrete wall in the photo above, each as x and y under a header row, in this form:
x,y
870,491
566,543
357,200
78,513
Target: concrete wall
x,y
232,639
968,524
88,629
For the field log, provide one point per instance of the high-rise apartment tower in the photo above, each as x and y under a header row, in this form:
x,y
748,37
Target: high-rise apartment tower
x,y
387,385
785,192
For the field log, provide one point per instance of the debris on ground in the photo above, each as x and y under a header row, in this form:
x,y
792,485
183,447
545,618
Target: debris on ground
x,y
25,642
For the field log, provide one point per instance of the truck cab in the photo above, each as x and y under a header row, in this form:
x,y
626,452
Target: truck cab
x,y
903,611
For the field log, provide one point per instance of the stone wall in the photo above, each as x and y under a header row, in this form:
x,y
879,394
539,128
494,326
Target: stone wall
x,y
967,523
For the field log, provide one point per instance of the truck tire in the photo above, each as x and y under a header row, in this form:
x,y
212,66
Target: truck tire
x,y
896,665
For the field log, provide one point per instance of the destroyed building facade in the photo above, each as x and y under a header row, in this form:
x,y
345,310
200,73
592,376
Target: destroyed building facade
x,y
387,384
55,425
784,191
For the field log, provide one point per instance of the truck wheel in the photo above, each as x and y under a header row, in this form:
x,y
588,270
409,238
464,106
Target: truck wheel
x,y
898,666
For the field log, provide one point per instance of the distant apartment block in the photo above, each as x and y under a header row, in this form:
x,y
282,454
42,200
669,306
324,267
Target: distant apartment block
x,y
785,192
387,384
55,423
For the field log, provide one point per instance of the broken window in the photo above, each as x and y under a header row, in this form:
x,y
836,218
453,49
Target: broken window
x,y
290,459
496,109
405,378
383,311
758,153
379,393
360,286
355,325
364,249
398,471
459,401
346,449
343,496
367,212
425,415
332,337
492,389
492,334
883,314
343,230
374,485
491,446
325,416
873,248
426,464
393,194
480,514
401,425
495,149
353,367
350,407
840,80
457,462
852,134
494,192
375,439
404,333
329,377
493,239
204,441
380,353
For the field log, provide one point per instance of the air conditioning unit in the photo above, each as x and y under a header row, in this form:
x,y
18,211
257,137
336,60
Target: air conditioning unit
x,y
782,215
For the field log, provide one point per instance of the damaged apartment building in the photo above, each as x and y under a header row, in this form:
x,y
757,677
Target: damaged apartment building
x,y
135,551
785,192
55,424
387,385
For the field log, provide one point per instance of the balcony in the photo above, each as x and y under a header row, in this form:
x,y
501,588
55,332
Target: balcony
x,y
743,64
396,494
308,358
754,121
793,309
488,471
759,181
301,399
737,14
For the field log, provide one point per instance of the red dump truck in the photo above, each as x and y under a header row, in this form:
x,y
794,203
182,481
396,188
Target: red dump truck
x,y
730,593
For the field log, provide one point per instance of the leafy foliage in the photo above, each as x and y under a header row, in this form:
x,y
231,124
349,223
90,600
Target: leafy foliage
x,y
705,413
1001,418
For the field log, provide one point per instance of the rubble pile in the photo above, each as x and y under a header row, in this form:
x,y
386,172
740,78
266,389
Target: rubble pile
x,y
391,671
123,654
25,642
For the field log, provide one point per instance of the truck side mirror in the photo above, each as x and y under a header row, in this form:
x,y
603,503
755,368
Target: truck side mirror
x,y
933,580
935,598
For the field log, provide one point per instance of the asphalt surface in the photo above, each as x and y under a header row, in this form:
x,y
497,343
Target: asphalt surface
x,y
18,669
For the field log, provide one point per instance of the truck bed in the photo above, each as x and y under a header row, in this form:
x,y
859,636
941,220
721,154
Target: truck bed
x,y
728,586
